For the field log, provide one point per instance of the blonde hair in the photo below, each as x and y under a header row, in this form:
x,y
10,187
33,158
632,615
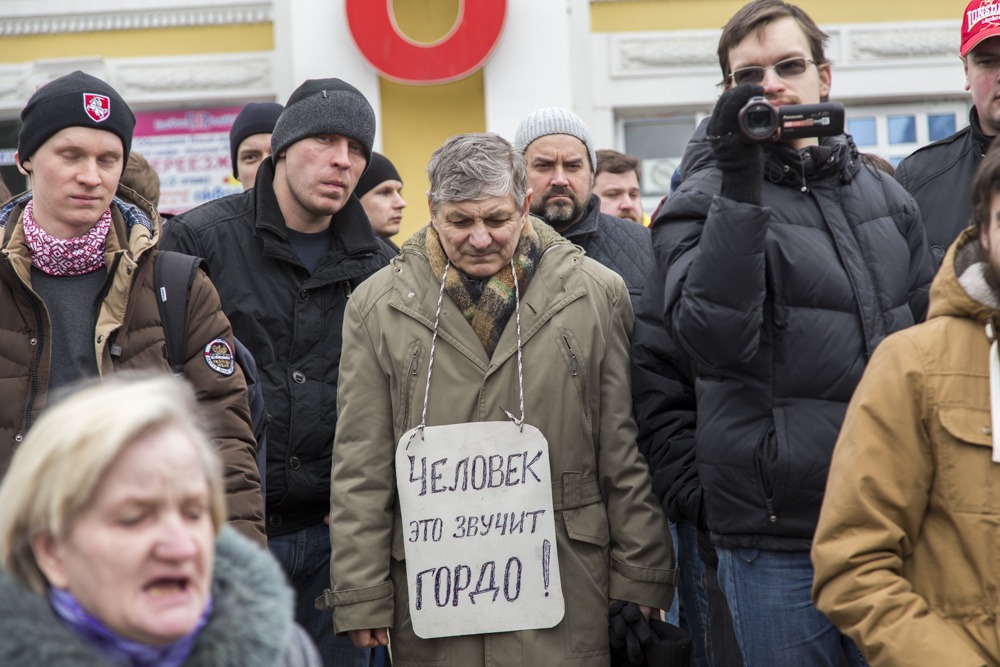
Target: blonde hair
x,y
57,470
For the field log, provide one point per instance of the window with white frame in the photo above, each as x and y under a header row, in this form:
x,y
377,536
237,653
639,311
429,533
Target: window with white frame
x,y
895,131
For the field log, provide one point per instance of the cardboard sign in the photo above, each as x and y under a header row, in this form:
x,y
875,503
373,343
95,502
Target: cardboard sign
x,y
479,529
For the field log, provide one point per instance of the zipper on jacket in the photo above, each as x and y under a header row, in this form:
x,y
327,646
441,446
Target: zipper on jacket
x,y
572,355
100,299
413,362
39,346
771,516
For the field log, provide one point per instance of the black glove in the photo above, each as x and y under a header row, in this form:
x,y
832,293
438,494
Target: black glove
x,y
740,159
629,629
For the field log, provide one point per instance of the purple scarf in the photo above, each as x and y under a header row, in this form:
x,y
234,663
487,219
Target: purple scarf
x,y
122,651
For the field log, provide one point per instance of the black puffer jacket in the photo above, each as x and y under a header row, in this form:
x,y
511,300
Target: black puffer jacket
x,y
621,245
779,307
291,322
939,176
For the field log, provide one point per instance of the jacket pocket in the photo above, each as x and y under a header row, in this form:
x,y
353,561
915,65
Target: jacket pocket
x,y
584,561
408,386
967,479
572,354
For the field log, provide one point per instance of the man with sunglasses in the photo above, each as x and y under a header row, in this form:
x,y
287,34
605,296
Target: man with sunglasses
x,y
780,266
940,174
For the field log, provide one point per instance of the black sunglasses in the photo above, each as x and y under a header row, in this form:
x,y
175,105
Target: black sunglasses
x,y
754,74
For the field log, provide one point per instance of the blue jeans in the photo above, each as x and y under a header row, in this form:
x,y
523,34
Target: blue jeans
x,y
692,592
776,624
305,557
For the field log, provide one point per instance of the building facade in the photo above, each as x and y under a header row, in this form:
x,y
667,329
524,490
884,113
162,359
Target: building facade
x,y
641,74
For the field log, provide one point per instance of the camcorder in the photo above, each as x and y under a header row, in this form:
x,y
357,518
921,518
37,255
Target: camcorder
x,y
762,121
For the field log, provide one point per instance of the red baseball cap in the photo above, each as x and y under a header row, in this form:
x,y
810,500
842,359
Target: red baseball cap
x,y
981,21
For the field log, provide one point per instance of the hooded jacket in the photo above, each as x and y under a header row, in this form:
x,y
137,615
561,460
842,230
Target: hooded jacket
x,y
127,336
905,551
251,624
291,323
778,308
939,176
612,539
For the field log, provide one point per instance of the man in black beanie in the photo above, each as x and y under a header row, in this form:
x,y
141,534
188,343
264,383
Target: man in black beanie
x,y
285,257
381,193
250,139
77,295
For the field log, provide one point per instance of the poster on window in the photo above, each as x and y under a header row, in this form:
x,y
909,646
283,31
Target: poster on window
x,y
189,149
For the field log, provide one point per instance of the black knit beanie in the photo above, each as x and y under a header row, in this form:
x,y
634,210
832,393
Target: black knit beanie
x,y
379,171
73,100
254,118
324,106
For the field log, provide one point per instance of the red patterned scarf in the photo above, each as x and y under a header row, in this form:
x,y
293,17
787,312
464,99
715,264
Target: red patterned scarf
x,y
65,257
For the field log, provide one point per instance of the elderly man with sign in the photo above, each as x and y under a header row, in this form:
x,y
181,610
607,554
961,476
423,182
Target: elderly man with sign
x,y
488,500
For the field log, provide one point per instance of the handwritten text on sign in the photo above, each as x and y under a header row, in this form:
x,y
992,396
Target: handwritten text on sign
x,y
479,529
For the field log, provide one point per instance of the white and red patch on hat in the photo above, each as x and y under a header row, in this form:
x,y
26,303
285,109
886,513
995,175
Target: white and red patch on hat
x,y
98,107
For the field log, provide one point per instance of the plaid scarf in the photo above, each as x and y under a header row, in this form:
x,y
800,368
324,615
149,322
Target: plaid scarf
x,y
487,304
65,257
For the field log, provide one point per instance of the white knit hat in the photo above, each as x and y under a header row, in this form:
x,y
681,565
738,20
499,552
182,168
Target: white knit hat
x,y
553,120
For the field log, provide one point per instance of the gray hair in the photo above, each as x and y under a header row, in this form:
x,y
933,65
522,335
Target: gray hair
x,y
473,167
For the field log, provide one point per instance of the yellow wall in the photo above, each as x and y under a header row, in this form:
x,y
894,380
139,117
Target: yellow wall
x,y
712,14
139,43
417,119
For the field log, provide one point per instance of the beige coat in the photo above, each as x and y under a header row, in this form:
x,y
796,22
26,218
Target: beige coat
x,y
906,551
612,538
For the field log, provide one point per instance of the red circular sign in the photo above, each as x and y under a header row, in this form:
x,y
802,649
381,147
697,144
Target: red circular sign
x,y
459,53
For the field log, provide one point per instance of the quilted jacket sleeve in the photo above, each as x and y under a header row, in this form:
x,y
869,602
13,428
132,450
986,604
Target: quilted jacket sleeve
x,y
717,286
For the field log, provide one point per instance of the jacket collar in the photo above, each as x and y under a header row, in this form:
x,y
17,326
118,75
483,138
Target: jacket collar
x,y
588,223
950,290
250,624
979,138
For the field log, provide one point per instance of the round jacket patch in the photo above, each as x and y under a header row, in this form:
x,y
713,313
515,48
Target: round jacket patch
x,y
219,356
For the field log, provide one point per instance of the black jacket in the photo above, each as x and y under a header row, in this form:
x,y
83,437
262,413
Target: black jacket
x,y
291,322
776,308
939,176
621,245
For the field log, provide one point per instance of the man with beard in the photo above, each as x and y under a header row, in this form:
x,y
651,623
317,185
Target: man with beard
x,y
939,175
904,550
617,184
780,267
561,165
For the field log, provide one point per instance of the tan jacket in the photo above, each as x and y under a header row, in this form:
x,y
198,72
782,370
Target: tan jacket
x,y
26,346
906,552
612,538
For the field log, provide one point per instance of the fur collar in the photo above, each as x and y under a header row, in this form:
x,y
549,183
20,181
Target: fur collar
x,y
251,622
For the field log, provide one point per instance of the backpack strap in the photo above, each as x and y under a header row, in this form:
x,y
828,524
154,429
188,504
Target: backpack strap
x,y
173,276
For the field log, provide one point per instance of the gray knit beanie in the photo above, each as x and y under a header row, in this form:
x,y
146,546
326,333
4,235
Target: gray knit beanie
x,y
324,106
553,120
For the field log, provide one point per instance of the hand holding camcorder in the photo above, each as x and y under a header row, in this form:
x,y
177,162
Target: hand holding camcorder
x,y
759,120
